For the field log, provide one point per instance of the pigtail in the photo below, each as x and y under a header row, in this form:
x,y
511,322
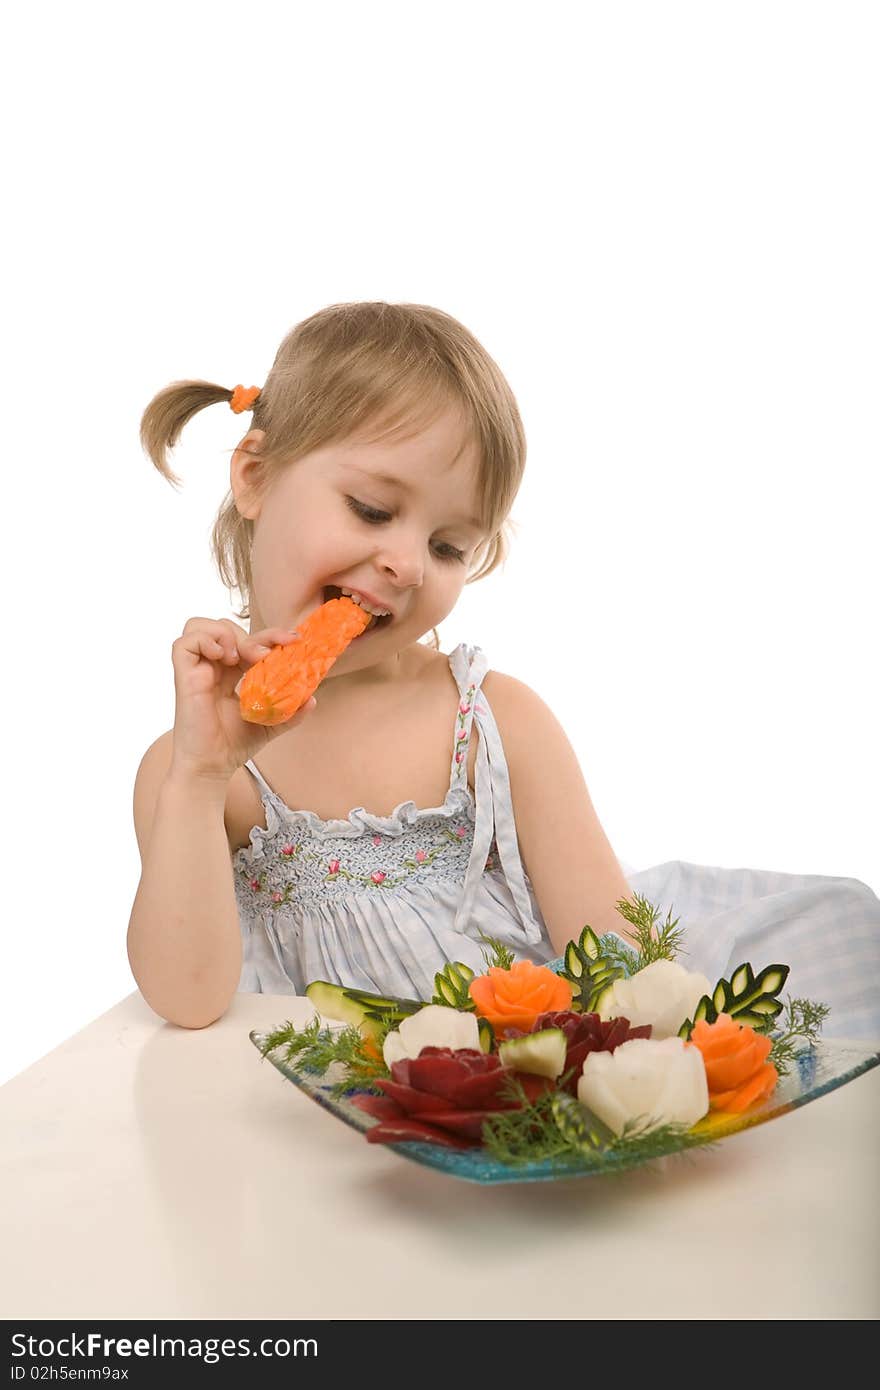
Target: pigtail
x,y
170,409
338,374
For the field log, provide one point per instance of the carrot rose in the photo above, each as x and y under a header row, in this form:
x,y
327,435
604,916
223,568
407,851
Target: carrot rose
x,y
513,998
735,1057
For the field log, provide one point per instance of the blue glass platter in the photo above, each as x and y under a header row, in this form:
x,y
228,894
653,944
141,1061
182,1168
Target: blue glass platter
x,y
817,1071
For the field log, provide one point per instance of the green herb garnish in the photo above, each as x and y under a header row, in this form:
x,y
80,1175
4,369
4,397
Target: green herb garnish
x,y
315,1048
803,1019
499,956
556,1126
643,917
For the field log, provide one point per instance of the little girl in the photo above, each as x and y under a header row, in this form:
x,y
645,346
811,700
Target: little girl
x,y
421,802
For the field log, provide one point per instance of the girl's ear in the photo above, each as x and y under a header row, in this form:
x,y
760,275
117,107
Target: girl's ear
x,y
245,475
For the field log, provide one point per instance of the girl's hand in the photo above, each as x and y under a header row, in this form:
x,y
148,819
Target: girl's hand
x,y
210,658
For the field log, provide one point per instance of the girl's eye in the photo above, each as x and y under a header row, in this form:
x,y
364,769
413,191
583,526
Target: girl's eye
x,y
370,514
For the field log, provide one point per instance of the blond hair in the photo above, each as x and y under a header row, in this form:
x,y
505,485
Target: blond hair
x,y
347,370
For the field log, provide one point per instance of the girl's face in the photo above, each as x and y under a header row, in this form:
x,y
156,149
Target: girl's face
x,y
395,521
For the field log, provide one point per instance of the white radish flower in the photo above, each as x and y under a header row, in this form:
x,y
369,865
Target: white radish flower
x,y
663,994
655,1083
435,1025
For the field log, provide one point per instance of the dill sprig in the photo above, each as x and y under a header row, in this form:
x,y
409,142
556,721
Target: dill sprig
x,y
529,1134
642,916
803,1019
557,1126
288,1035
315,1048
615,953
499,956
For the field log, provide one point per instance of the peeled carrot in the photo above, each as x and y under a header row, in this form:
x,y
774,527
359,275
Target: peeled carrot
x,y
276,687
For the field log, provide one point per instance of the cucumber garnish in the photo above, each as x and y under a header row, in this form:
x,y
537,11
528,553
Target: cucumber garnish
x,y
748,998
451,986
590,973
541,1054
354,1005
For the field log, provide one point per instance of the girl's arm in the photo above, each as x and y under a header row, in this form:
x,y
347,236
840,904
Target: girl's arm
x,y
184,938
573,869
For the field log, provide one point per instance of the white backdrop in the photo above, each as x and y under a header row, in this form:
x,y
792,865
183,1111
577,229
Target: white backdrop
x,y
662,221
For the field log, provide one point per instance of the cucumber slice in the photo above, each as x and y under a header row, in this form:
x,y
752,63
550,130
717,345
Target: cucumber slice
x,y
742,980
588,971
589,943
574,965
446,991
373,1028
487,1034
600,974
541,1054
393,1017
385,1002
772,978
571,1121
769,1007
597,998
354,1005
451,986
759,1021
746,997
463,972
333,1001
703,1010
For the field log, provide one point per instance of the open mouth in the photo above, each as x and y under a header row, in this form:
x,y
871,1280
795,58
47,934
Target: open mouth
x,y
333,591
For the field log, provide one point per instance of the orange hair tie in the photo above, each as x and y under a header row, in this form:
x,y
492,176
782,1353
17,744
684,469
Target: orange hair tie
x,y
243,398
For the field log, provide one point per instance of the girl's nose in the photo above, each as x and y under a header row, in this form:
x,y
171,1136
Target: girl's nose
x,y
403,564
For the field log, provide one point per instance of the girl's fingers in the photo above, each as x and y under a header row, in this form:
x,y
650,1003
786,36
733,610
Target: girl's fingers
x,y
197,644
252,652
223,643
224,649
274,636
259,644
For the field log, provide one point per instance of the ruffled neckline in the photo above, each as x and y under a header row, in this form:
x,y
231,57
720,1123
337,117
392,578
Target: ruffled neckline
x,y
459,801
459,798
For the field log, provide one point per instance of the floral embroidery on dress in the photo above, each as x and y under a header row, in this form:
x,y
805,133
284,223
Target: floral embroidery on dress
x,y
377,878
344,863
382,901
464,710
334,870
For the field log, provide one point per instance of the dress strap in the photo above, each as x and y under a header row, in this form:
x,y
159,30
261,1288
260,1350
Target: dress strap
x,y
260,779
468,665
494,807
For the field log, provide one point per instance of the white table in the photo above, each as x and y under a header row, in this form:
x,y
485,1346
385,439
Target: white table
x,y
155,1172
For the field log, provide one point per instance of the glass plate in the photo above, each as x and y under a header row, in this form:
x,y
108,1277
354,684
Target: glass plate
x,y
821,1069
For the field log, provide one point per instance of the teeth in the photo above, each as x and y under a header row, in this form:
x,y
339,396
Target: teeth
x,y
362,603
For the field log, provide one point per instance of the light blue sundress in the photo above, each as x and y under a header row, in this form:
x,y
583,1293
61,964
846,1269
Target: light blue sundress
x,y
383,902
